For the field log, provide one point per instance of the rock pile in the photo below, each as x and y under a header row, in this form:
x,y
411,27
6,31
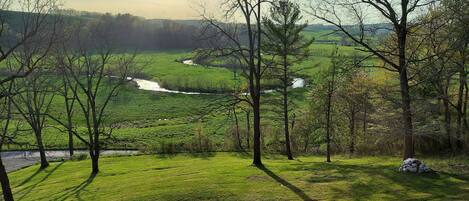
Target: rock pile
x,y
413,165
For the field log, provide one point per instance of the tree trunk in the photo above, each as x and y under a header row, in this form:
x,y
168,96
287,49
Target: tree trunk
x,y
404,85
95,163
257,133
466,126
6,188
407,116
352,130
70,143
248,129
459,107
70,125
285,114
257,90
365,116
448,122
328,127
238,136
41,149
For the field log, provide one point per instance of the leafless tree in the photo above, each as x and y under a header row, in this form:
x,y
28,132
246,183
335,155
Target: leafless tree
x,y
6,136
241,42
98,72
32,100
28,34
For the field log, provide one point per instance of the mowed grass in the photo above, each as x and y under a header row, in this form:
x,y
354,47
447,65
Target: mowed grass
x,y
229,176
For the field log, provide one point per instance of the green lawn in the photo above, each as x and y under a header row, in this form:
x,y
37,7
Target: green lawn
x,y
229,176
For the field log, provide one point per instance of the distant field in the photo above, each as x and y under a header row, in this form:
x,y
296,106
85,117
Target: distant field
x,y
229,176
150,120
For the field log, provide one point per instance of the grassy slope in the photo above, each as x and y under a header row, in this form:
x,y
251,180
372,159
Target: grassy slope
x,y
225,176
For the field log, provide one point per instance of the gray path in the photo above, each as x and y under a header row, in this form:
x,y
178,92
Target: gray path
x,y
14,160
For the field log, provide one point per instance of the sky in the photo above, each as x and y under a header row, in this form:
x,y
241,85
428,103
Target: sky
x,y
150,9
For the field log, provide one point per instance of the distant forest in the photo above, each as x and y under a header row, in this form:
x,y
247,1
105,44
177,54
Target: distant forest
x,y
136,33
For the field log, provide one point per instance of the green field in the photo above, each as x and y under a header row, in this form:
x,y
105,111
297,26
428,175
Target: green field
x,y
147,120
229,176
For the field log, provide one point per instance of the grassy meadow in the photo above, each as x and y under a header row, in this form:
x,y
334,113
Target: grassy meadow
x,y
149,120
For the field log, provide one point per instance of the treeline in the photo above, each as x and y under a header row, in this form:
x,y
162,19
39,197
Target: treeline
x,y
129,32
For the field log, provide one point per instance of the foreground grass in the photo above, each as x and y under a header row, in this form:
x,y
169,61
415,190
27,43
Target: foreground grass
x,y
226,176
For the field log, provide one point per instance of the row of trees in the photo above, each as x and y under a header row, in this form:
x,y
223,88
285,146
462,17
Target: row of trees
x,y
423,53
47,58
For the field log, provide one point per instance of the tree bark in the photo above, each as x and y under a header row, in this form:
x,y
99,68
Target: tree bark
x,y
42,152
95,163
69,125
448,122
238,136
404,85
352,130
6,188
248,129
256,93
257,134
328,127
460,104
285,111
466,126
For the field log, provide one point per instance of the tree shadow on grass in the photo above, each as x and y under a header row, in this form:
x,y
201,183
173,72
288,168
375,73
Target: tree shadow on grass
x,y
29,189
77,190
366,181
39,170
285,183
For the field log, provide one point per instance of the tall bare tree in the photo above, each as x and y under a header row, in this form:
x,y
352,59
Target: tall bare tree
x,y
32,100
6,136
241,42
26,33
99,73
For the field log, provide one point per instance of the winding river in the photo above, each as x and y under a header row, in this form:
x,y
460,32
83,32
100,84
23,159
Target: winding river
x,y
149,85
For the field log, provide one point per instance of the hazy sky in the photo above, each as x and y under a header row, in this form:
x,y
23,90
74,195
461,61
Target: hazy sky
x,y
159,9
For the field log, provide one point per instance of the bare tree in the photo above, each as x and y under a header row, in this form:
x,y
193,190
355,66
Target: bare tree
x,y
349,17
33,98
6,136
29,31
331,87
98,73
241,42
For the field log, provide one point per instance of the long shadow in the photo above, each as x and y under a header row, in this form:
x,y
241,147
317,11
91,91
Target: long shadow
x,y
436,185
77,189
31,177
284,182
31,188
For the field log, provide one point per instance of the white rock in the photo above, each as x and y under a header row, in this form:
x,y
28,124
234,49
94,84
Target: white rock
x,y
414,166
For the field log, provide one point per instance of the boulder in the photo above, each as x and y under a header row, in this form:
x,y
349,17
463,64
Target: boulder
x,y
413,165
